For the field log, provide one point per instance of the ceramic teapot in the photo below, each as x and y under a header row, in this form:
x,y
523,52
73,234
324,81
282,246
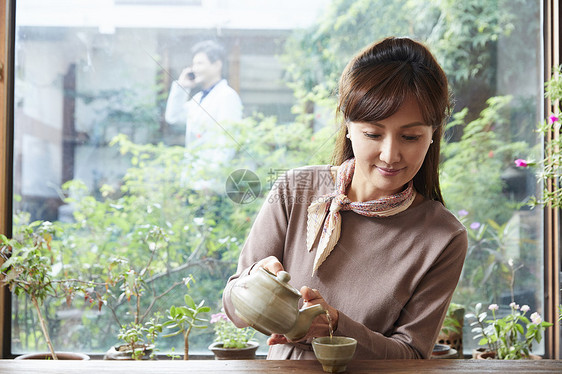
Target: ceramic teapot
x,y
269,304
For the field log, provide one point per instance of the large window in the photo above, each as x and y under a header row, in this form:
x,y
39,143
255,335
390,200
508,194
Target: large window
x,y
138,195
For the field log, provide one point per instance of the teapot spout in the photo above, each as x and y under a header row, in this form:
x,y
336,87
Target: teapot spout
x,y
306,315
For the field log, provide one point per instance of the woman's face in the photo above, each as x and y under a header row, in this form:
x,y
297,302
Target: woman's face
x,y
388,153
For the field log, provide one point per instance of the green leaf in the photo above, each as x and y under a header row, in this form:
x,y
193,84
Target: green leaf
x,y
173,311
183,310
8,263
199,326
189,301
172,334
169,324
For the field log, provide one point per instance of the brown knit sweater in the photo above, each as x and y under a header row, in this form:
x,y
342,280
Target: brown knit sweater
x,y
390,278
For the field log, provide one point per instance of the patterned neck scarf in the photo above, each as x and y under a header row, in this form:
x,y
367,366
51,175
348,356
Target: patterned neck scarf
x,y
338,200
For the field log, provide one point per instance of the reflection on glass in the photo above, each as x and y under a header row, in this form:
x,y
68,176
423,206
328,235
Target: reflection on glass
x,y
95,153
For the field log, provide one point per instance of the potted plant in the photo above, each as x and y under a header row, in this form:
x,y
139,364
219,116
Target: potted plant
x,y
185,318
32,266
139,341
510,337
137,337
231,342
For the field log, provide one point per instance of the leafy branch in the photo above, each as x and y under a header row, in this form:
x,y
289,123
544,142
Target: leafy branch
x,y
185,318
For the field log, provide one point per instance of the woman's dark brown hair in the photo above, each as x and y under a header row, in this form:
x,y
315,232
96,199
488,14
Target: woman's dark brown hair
x,y
374,85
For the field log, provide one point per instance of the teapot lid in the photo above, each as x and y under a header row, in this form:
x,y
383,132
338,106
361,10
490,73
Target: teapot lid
x,y
282,279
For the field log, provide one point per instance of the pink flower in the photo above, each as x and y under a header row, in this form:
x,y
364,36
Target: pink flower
x,y
218,317
536,318
475,225
520,163
525,308
493,307
553,118
462,213
514,306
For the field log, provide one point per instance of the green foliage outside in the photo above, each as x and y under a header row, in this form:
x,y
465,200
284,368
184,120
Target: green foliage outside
x,y
472,166
145,234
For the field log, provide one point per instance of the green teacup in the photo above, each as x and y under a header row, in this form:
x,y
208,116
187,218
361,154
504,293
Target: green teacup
x,y
334,353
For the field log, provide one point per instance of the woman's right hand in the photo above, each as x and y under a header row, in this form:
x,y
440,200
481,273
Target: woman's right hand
x,y
271,263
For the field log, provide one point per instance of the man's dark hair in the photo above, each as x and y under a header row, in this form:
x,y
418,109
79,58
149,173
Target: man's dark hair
x,y
213,50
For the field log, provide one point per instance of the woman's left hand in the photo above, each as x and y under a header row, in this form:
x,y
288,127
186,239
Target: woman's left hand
x,y
320,325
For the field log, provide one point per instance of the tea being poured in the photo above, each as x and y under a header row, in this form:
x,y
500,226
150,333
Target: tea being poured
x,y
330,326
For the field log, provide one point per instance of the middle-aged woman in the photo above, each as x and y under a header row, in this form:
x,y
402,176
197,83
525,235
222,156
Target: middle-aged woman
x,y
369,239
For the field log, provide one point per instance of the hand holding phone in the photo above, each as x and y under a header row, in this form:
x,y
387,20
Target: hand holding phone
x,y
187,78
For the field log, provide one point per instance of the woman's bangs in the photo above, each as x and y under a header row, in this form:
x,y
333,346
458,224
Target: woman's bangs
x,y
376,96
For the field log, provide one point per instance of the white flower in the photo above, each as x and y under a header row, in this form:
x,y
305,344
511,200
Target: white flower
x,y
525,308
493,307
536,318
514,306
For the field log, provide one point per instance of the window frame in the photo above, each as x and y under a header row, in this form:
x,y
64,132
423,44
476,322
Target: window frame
x,y
7,25
552,221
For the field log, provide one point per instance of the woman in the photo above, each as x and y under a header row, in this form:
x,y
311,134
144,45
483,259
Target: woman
x,y
370,239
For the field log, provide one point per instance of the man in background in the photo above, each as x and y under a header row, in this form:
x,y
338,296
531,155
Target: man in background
x,y
214,106
206,114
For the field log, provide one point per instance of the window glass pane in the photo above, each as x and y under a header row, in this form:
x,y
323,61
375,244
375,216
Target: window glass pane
x,y
102,152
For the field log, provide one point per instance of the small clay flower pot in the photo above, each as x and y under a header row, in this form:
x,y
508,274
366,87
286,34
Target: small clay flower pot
x,y
247,353
47,356
123,352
